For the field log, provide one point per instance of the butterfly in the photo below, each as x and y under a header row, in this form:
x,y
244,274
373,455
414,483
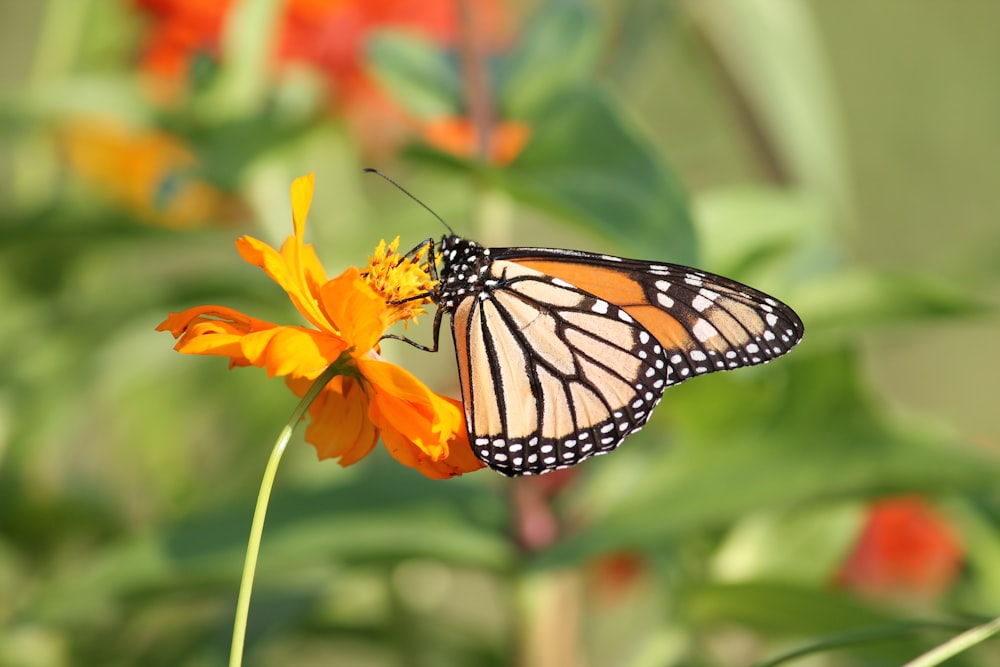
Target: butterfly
x,y
563,354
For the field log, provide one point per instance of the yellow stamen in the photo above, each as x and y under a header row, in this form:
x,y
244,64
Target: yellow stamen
x,y
404,282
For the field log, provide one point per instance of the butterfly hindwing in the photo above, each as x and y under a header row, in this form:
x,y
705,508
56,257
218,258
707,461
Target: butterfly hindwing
x,y
551,375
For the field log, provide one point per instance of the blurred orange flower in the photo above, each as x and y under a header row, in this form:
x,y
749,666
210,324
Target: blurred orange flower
x,y
348,314
905,548
152,173
457,136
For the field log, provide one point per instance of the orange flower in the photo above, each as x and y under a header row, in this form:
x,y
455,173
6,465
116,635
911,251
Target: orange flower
x,y
457,136
152,173
905,548
348,315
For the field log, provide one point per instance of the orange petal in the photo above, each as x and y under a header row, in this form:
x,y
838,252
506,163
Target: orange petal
x,y
296,267
339,427
220,331
302,194
292,351
420,428
213,330
355,308
301,282
457,460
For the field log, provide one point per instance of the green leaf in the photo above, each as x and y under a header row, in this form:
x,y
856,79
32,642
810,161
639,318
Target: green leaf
x,y
761,234
559,50
586,162
843,304
779,608
417,73
788,611
814,541
772,440
240,86
770,50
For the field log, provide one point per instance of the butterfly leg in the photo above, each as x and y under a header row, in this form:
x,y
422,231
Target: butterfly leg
x,y
436,333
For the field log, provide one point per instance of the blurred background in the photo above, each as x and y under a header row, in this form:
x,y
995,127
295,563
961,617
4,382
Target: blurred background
x,y
840,154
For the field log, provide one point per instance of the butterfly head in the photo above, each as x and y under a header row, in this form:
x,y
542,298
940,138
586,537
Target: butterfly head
x,y
463,263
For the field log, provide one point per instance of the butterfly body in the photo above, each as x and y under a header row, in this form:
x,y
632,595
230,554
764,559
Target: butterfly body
x,y
563,354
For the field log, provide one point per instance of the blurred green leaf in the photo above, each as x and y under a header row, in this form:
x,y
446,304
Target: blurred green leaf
x,y
417,73
770,51
389,513
812,543
587,162
854,300
785,610
781,608
558,51
241,85
749,444
771,237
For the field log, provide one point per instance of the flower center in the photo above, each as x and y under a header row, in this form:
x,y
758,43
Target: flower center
x,y
402,280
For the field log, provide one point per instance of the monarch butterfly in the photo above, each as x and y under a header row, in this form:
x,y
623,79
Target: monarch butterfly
x,y
563,354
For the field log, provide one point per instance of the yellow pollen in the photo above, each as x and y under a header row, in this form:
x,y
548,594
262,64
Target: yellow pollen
x,y
402,280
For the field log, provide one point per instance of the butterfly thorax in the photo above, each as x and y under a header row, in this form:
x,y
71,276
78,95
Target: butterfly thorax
x,y
464,263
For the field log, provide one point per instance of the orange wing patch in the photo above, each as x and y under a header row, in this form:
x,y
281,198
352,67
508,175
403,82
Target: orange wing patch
x,y
617,288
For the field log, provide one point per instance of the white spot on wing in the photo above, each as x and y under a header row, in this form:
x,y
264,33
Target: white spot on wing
x,y
703,330
700,303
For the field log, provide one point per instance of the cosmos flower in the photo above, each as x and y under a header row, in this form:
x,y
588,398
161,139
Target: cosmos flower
x,y
347,317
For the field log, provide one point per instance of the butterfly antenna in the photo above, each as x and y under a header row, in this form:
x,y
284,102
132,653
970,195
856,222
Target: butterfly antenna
x,y
412,196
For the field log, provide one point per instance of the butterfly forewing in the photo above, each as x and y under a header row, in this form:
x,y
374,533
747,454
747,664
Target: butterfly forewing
x,y
563,354
704,321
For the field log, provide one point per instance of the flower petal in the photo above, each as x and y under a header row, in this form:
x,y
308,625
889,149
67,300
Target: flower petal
x,y
419,428
296,267
301,282
293,351
355,308
220,331
339,426
455,459
213,330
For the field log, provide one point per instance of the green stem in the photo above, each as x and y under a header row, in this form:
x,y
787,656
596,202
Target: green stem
x,y
859,637
260,511
956,645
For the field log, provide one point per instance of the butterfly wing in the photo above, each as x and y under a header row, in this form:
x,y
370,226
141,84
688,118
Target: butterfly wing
x,y
550,374
563,354
705,322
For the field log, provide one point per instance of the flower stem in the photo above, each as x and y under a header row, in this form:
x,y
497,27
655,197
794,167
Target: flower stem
x,y
956,645
260,511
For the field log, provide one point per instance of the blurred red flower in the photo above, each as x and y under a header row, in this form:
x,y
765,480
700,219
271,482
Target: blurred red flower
x,y
331,36
614,576
905,549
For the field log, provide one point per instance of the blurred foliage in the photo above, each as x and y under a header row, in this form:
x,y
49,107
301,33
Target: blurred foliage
x,y
760,139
